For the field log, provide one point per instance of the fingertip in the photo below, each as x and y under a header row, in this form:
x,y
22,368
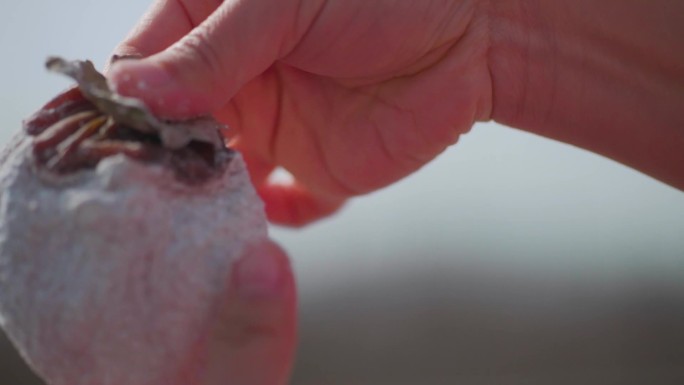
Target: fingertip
x,y
295,206
263,272
255,335
158,88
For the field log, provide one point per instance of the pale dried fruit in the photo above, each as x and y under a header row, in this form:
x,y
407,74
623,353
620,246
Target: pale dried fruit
x,y
117,235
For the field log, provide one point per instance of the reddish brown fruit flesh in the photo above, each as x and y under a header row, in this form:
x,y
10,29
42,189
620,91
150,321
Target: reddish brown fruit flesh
x,y
63,105
70,134
60,131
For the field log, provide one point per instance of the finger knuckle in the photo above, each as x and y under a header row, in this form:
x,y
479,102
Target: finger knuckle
x,y
198,49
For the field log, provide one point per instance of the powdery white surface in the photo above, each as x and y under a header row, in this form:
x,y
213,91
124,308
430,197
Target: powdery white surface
x,y
111,277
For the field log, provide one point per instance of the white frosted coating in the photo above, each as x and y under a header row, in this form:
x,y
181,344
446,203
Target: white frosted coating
x,y
109,277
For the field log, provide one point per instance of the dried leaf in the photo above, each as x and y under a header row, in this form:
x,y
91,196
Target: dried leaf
x,y
132,112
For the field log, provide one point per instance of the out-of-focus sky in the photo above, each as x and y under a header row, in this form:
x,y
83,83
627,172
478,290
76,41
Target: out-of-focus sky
x,y
502,198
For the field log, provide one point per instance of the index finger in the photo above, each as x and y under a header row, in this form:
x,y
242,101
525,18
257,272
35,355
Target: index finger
x,y
166,22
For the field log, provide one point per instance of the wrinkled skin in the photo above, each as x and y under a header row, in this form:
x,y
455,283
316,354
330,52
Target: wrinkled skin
x,y
319,97
352,95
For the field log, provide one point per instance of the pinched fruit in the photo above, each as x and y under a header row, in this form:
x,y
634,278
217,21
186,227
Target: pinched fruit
x,y
117,235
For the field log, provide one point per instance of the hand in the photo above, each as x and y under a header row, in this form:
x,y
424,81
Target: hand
x,y
347,95
254,336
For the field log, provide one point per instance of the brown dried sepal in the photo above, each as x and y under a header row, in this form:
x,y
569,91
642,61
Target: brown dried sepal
x,y
71,133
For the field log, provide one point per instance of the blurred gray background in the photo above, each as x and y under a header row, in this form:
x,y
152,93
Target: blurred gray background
x,y
511,259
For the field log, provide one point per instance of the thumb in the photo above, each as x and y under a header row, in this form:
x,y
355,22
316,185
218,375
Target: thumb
x,y
206,67
253,339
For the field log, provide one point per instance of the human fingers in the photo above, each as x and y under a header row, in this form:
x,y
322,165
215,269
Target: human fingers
x,y
162,25
294,205
254,336
259,169
289,204
205,68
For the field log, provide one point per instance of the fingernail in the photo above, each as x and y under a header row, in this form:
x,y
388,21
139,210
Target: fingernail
x,y
259,275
